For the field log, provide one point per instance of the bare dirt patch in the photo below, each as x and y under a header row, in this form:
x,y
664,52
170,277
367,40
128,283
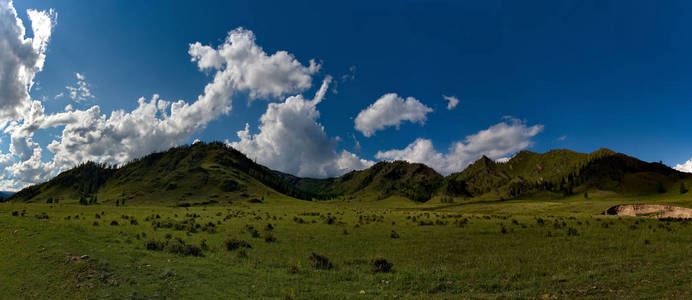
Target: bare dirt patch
x,y
650,210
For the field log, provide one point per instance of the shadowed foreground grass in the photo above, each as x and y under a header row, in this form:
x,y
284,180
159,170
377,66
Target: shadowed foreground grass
x,y
491,249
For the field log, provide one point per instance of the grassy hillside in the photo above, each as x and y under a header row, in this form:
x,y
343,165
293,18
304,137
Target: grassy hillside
x,y
186,175
561,173
414,181
215,173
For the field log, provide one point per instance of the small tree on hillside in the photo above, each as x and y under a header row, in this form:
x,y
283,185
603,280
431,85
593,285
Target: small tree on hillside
x,y
683,188
661,189
586,195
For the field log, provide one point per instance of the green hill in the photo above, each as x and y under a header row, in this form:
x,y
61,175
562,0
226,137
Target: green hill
x,y
561,172
215,173
186,175
415,181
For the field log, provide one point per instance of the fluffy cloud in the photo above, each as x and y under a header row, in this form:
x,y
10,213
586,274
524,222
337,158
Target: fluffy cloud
x,y
21,57
495,142
247,67
291,140
390,110
158,124
155,124
452,101
80,91
685,167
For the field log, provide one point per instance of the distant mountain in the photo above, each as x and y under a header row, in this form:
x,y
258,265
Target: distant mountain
x,y
216,173
199,173
415,181
4,195
561,172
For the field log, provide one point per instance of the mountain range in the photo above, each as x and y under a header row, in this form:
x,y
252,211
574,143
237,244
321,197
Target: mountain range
x,y
216,173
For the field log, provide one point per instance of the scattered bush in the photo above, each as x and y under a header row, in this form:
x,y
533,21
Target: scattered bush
x,y
180,247
154,245
394,235
42,216
114,223
572,232
234,244
269,238
381,265
320,262
96,223
15,213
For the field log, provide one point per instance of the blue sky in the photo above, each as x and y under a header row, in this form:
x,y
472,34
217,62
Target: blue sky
x,y
589,74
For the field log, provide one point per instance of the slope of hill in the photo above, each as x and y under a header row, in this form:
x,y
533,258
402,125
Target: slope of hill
x,y
561,172
209,173
200,173
415,181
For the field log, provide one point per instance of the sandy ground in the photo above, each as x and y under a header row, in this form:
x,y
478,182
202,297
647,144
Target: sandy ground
x,y
649,210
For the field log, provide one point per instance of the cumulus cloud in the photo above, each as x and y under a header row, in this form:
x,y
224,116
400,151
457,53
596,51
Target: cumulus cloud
x,y
239,65
21,57
685,167
80,91
452,101
495,142
291,140
390,110
247,67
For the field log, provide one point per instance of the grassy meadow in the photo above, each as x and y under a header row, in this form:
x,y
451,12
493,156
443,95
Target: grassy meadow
x,y
392,248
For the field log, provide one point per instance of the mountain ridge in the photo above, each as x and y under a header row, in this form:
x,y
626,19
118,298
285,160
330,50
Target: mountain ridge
x,y
215,173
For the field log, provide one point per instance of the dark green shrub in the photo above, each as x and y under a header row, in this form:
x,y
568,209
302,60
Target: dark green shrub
x,y
572,232
234,244
381,265
320,262
154,245
269,238
394,235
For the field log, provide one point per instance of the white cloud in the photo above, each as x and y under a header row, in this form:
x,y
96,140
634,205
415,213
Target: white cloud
x,y
291,140
390,110
245,66
452,101
503,159
685,167
156,124
80,91
495,142
21,57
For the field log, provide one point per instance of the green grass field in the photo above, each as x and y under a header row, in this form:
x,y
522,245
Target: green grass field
x,y
483,249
